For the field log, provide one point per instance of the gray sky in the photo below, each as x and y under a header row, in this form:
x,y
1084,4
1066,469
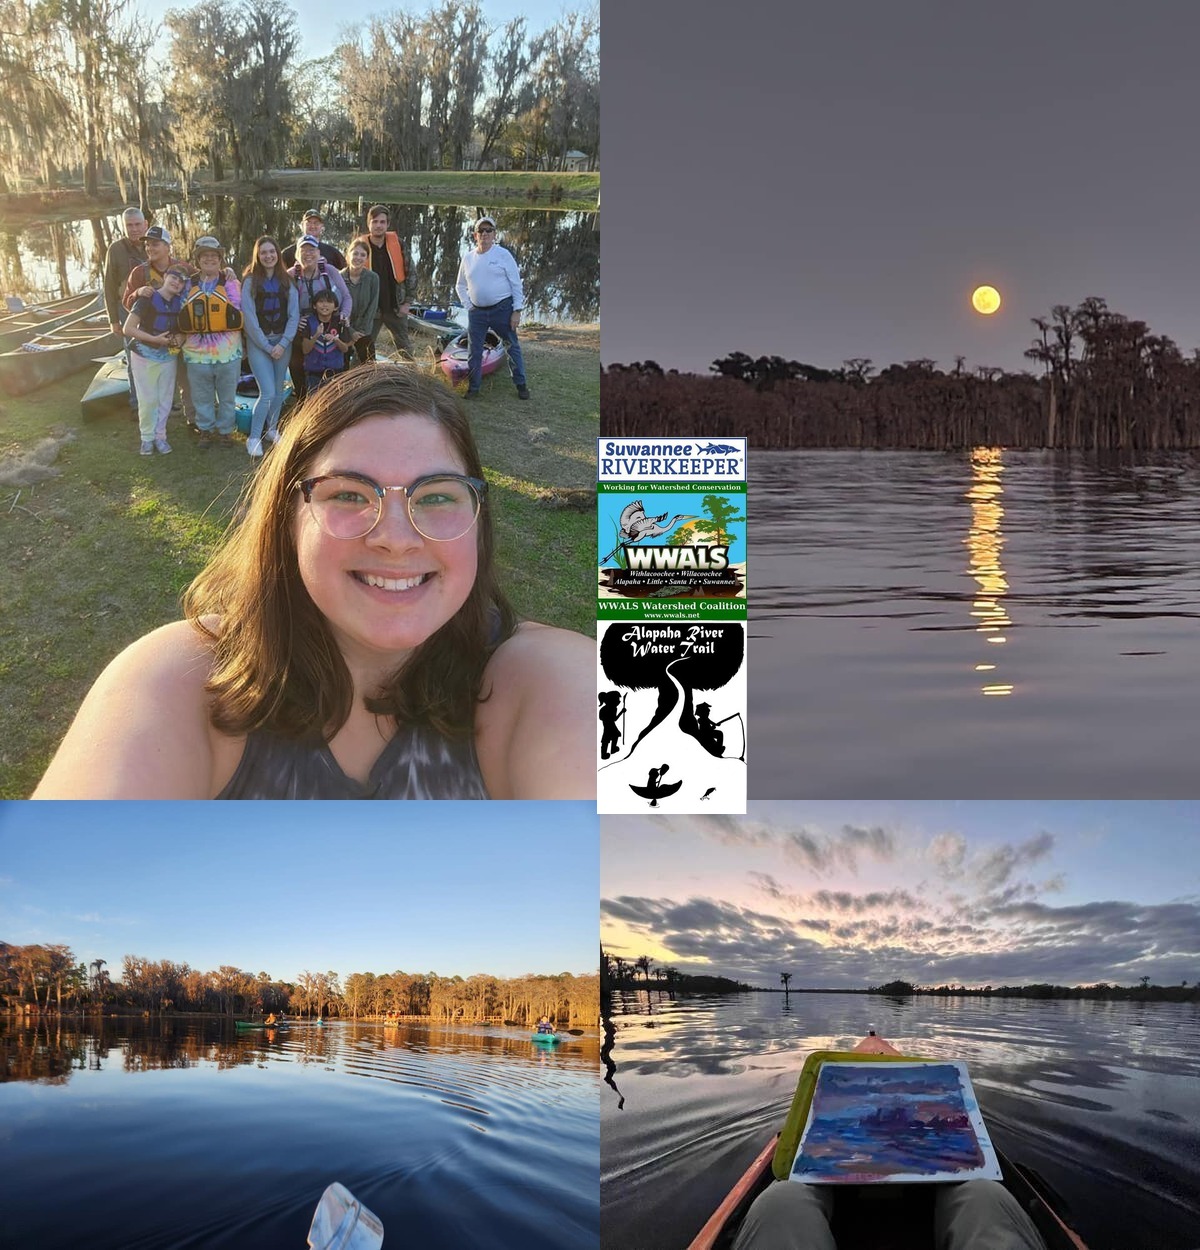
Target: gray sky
x,y
822,181
854,893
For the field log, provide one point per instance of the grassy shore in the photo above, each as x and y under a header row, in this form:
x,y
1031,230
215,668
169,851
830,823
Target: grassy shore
x,y
432,186
96,556
533,190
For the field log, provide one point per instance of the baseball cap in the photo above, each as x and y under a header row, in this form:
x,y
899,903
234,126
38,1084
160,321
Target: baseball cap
x,y
491,221
313,212
309,240
206,243
158,234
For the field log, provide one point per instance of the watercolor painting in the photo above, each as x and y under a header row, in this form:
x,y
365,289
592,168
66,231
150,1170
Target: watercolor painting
x,y
894,1123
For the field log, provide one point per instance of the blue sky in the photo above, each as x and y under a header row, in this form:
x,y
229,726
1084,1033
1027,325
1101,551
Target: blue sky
x,y
323,27
854,893
452,888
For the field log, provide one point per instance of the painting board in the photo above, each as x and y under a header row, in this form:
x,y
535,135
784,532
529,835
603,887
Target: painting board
x,y
894,1123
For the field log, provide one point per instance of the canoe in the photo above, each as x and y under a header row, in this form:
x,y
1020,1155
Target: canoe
x,y
257,1024
57,353
546,1039
454,356
885,1217
23,321
108,393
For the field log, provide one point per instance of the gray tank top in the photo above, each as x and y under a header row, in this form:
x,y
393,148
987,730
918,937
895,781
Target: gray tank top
x,y
418,763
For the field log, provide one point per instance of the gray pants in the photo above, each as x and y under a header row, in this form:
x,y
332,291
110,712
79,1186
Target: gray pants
x,y
974,1215
397,324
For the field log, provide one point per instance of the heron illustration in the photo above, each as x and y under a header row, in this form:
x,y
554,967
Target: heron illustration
x,y
635,526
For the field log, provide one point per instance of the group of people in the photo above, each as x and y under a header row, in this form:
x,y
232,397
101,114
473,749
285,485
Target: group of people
x,y
305,309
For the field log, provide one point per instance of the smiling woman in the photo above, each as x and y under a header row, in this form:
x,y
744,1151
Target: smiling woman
x,y
348,640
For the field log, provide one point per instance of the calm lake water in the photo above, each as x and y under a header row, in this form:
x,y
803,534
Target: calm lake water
x,y
558,252
181,1133
1101,1099
984,625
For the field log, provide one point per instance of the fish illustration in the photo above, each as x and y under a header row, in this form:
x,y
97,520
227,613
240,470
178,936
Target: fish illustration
x,y
716,449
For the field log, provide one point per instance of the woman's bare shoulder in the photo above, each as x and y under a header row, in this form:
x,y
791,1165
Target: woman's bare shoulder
x,y
143,729
534,730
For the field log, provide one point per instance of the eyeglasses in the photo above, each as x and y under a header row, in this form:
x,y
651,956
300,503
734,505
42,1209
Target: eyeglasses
x,y
485,229
441,506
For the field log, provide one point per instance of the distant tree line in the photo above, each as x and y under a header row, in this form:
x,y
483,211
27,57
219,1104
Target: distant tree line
x,y
1105,383
1143,991
617,973
41,979
86,94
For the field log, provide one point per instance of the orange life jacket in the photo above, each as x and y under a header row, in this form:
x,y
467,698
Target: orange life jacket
x,y
208,312
391,240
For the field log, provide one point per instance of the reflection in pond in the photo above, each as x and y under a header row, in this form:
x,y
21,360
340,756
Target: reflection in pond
x,y
558,253
179,1131
985,542
1100,1098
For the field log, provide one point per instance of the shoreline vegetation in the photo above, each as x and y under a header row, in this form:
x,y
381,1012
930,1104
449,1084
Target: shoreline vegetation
x,y
1106,384
49,980
515,188
639,974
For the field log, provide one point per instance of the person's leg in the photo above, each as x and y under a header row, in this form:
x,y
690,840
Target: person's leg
x,y
503,327
263,368
296,364
202,383
143,369
281,371
789,1216
397,325
165,390
225,380
477,326
981,1215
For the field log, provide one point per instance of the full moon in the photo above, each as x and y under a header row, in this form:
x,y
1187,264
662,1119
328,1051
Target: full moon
x,y
985,299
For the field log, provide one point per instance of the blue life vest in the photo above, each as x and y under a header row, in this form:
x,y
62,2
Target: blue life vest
x,y
326,357
166,314
270,306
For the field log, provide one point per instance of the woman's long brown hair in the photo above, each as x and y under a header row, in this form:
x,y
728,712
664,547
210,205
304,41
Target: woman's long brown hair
x,y
277,665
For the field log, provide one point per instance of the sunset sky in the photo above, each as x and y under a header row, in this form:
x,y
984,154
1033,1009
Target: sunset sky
x,y
848,894
830,181
281,887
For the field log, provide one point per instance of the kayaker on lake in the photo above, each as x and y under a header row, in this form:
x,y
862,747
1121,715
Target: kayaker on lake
x,y
973,1215
544,1025
349,638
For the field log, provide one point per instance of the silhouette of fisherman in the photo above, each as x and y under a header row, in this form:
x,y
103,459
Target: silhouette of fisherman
x,y
710,736
610,712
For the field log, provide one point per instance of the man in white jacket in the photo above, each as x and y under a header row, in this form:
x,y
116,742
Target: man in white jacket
x,y
489,287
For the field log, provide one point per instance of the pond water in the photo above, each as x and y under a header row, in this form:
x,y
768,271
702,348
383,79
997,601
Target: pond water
x,y
1101,1099
987,625
558,253
181,1132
